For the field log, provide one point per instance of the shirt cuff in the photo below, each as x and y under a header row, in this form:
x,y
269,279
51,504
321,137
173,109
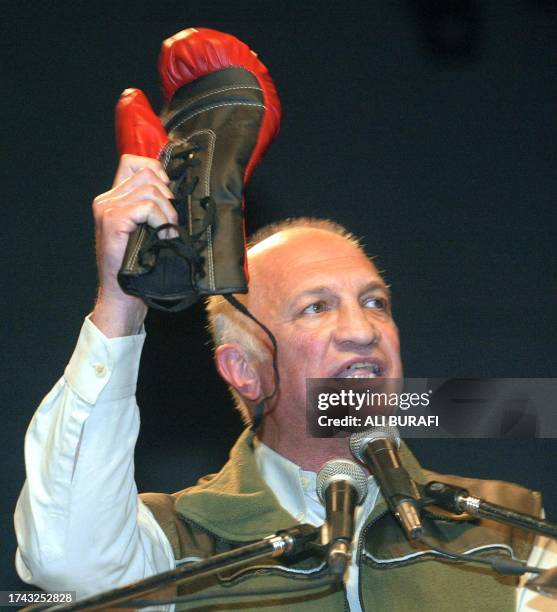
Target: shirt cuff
x,y
101,365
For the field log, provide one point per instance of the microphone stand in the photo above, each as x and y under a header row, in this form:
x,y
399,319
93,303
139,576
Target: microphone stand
x,y
458,500
284,542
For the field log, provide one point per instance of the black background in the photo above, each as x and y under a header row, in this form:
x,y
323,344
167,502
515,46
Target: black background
x,y
433,134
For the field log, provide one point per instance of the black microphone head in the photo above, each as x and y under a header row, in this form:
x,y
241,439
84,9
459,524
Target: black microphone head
x,y
359,441
341,469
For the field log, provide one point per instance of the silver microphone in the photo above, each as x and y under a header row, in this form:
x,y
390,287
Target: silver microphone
x,y
341,486
378,449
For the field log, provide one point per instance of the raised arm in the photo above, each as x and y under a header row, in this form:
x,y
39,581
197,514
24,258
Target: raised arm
x,y
78,520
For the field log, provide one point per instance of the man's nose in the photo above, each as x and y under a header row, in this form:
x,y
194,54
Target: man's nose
x,y
356,325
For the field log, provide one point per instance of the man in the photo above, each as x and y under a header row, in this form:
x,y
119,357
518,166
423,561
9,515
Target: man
x,y
80,525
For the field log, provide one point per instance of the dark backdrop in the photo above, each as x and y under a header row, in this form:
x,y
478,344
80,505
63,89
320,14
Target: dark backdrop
x,y
431,132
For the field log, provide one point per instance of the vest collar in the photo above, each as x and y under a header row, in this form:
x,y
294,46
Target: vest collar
x,y
236,504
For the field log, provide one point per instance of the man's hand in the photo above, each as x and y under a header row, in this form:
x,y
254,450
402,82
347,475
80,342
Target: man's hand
x,y
139,194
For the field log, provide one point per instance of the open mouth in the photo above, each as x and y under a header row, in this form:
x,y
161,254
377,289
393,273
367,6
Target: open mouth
x,y
361,369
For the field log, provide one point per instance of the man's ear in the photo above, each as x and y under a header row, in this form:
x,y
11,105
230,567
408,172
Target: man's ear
x,y
237,369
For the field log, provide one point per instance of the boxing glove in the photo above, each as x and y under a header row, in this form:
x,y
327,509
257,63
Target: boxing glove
x,y
221,112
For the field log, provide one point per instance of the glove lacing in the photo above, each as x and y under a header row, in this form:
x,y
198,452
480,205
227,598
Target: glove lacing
x,y
184,245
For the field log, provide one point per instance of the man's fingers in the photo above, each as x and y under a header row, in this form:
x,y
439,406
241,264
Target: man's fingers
x,y
145,176
118,220
148,212
152,194
131,164
140,194
144,193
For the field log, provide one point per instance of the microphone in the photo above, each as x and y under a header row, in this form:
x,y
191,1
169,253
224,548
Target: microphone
x,y
458,500
378,449
341,486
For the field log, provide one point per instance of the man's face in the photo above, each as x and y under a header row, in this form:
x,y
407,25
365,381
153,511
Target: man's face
x,y
329,310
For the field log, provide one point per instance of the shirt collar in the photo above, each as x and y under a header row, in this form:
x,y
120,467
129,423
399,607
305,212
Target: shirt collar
x,y
295,488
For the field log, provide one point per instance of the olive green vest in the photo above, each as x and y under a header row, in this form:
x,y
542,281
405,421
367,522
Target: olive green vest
x,y
235,506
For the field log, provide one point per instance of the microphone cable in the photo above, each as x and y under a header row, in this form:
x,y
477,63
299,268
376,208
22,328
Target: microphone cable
x,y
259,411
215,598
501,564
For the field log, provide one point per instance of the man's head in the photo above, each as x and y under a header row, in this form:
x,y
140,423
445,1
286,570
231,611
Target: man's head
x,y
325,302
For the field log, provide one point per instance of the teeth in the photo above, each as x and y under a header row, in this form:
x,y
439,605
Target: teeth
x,y
372,370
361,376
372,366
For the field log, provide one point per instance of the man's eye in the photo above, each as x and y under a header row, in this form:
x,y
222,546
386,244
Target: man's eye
x,y
315,308
376,302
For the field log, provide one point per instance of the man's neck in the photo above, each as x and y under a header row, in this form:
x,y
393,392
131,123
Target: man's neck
x,y
306,452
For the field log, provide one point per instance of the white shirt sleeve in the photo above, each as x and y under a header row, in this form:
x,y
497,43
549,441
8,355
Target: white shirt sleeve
x,y
544,554
79,523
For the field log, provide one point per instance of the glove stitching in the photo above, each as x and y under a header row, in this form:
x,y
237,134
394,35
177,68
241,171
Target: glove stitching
x,y
207,192
208,108
210,258
135,252
216,91
210,154
167,151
